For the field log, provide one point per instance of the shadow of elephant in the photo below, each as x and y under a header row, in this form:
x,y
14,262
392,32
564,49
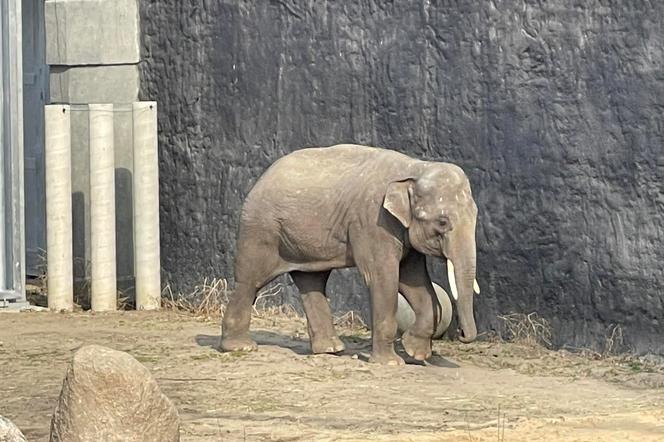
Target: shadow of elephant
x,y
355,346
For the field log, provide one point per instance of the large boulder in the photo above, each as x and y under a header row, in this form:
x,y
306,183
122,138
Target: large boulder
x,y
10,432
108,395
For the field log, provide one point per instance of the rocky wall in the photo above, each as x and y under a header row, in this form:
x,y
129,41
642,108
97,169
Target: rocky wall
x,y
553,108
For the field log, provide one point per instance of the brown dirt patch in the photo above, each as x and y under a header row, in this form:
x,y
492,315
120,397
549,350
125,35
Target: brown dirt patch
x,y
468,392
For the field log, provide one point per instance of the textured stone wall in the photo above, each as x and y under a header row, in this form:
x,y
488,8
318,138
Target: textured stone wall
x,y
554,109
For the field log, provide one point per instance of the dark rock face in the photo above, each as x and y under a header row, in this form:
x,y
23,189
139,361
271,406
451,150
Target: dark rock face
x,y
554,109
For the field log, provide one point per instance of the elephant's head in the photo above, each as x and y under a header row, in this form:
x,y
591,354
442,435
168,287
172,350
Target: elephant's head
x,y
437,209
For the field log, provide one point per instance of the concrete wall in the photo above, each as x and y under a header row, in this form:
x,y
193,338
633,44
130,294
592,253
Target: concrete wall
x,y
93,49
553,109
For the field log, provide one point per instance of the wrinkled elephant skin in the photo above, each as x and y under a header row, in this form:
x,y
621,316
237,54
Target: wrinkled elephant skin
x,y
319,209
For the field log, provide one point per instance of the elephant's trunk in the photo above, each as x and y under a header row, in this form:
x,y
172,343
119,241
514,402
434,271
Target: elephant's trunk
x,y
461,252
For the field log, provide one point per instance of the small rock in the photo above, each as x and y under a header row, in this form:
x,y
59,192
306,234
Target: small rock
x,y
10,432
355,356
108,395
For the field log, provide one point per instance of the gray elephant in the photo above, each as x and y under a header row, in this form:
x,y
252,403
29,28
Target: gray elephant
x,y
320,209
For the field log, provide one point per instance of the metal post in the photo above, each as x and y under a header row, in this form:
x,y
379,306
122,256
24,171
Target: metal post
x,y
146,206
102,209
12,272
5,179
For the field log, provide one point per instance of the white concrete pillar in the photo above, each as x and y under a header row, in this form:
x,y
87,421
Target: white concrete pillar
x,y
102,209
60,280
146,206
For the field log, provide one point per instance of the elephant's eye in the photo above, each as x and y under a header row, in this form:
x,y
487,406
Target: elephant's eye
x,y
444,223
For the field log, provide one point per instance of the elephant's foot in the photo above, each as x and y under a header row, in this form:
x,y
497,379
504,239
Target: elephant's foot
x,y
327,345
238,343
417,347
386,358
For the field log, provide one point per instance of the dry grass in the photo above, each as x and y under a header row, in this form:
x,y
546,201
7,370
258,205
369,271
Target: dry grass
x,y
42,278
532,330
209,299
263,308
613,341
527,329
351,320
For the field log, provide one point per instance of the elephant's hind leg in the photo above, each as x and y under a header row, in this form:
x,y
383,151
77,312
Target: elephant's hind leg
x,y
235,324
256,264
323,337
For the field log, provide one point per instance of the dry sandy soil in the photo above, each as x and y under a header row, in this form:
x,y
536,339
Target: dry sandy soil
x,y
484,391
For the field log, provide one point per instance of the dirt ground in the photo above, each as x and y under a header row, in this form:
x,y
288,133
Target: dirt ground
x,y
483,391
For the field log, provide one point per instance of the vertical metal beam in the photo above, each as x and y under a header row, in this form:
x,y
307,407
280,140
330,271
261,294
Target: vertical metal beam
x,y
12,150
4,154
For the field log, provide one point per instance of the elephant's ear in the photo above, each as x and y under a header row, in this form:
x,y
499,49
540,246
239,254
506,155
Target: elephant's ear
x,y
397,201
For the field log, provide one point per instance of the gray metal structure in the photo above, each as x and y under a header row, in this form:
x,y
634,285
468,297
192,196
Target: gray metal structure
x,y
35,95
12,235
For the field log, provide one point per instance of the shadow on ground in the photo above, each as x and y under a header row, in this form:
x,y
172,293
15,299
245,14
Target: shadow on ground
x,y
355,347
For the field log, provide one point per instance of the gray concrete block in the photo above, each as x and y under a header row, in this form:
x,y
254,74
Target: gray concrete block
x,y
81,32
94,84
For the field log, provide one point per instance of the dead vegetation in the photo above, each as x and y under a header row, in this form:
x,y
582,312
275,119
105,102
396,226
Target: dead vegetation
x,y
37,286
351,320
526,329
208,300
525,344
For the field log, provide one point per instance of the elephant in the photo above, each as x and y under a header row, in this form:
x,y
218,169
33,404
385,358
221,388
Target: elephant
x,y
319,209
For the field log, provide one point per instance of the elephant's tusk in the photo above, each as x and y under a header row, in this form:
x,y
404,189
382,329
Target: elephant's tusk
x,y
476,287
452,280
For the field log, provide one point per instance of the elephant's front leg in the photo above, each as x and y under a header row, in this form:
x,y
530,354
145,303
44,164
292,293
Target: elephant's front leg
x,y
380,269
377,254
415,285
319,317
383,284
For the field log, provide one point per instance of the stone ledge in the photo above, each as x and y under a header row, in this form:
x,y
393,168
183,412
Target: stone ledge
x,y
82,32
94,84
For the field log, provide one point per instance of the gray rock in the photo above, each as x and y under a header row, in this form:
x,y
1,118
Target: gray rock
x,y
108,395
10,432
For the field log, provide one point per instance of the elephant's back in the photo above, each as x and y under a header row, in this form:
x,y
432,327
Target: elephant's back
x,y
333,167
311,195
321,184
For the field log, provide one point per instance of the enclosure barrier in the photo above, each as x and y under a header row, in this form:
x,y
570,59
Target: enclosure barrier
x,y
146,206
58,207
103,280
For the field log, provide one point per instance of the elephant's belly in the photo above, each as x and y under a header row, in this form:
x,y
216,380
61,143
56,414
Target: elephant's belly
x,y
314,252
